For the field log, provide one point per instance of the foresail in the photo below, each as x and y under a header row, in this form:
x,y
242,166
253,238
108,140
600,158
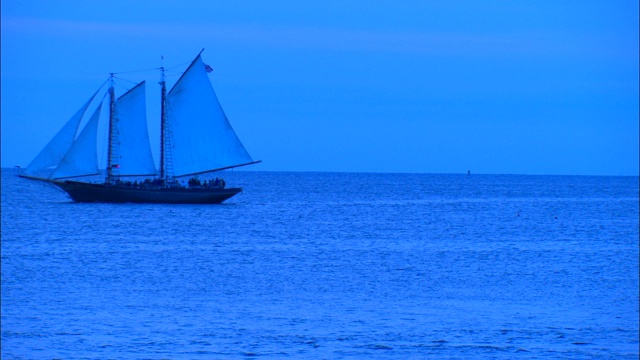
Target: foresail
x,y
133,155
202,138
54,151
82,157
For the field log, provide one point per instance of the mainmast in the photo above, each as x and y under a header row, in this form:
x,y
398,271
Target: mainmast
x,y
163,117
111,177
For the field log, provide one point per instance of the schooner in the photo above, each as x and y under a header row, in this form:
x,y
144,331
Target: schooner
x,y
195,138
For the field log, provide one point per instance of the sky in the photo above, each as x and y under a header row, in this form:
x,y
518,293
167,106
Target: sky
x,y
494,87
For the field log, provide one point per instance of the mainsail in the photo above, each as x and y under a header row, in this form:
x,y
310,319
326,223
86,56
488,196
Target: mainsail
x,y
201,138
133,155
54,151
82,157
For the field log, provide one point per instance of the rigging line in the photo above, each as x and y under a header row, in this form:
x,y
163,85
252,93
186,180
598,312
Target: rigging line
x,y
172,72
97,91
135,71
103,84
151,69
179,65
126,86
127,80
104,96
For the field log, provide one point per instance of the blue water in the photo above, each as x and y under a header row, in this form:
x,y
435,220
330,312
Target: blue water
x,y
328,266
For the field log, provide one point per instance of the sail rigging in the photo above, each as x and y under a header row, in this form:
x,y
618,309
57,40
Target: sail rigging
x,y
201,138
82,157
133,157
55,150
196,138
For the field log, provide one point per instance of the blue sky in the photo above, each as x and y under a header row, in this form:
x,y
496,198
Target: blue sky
x,y
501,87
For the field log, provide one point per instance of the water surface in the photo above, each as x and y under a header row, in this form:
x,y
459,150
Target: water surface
x,y
327,265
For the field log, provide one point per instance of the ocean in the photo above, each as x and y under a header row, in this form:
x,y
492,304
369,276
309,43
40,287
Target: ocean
x,y
327,266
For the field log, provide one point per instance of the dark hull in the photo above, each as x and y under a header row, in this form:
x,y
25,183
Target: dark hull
x,y
86,192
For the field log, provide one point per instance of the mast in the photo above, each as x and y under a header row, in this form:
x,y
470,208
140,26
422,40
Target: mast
x,y
163,120
166,159
112,132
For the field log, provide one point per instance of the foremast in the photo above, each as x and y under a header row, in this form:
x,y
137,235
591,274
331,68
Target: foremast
x,y
112,173
166,161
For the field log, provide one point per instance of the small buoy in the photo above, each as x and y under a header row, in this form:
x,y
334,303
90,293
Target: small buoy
x,y
468,172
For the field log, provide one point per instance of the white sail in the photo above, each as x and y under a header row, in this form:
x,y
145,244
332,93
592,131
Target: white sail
x,y
82,157
133,155
201,137
54,151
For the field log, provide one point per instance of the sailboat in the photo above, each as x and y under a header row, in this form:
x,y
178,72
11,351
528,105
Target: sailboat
x,y
196,138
